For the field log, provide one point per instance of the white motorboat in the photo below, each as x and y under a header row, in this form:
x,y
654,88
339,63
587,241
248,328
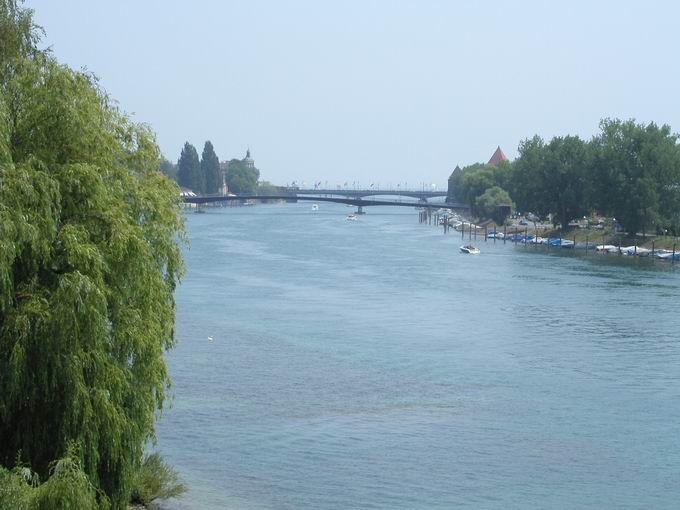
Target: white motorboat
x,y
470,249
607,248
351,217
315,207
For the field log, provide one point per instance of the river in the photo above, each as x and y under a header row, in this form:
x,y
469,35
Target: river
x,y
370,365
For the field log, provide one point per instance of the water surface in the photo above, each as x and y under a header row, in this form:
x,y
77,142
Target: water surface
x,y
370,365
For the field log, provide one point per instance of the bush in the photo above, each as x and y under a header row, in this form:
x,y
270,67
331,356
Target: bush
x,y
16,488
68,488
156,479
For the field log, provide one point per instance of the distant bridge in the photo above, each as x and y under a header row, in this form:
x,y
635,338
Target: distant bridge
x,y
359,193
359,202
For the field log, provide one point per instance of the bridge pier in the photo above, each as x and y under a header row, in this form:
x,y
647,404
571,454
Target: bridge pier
x,y
360,210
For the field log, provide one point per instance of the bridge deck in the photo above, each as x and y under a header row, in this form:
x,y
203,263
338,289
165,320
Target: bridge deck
x,y
359,202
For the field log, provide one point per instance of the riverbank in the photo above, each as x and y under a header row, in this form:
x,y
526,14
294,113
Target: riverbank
x,y
589,237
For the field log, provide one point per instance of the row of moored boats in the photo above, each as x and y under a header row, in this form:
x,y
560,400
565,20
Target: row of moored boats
x,y
633,251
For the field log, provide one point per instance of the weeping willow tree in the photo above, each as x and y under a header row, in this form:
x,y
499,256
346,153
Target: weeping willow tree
x,y
89,260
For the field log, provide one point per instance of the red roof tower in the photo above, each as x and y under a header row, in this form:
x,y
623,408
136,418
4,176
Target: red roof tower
x,y
497,157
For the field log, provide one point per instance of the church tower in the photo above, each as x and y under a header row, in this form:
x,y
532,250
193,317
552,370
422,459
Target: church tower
x,y
248,161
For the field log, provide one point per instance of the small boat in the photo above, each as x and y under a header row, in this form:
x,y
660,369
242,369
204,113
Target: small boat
x,y
351,217
470,249
607,248
315,207
638,251
668,255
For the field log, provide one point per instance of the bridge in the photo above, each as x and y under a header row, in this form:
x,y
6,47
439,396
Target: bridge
x,y
360,193
359,202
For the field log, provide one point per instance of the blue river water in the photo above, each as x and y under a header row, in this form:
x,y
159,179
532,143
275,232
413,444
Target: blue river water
x,y
370,365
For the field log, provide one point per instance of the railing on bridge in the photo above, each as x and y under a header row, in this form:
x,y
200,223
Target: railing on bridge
x,y
420,194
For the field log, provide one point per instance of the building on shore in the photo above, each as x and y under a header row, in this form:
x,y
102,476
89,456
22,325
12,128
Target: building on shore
x,y
450,192
248,162
185,193
497,157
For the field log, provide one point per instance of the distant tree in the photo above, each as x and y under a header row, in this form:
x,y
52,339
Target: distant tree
x,y
473,180
636,173
527,185
266,188
488,204
240,178
566,178
168,168
210,168
189,169
553,179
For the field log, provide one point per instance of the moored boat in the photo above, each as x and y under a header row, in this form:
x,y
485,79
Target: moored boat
x,y
607,248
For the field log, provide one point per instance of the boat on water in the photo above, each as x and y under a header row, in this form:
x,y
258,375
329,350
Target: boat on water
x,y
315,207
351,217
607,248
667,255
470,249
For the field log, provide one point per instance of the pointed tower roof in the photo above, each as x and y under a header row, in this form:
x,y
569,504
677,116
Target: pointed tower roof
x,y
497,157
457,169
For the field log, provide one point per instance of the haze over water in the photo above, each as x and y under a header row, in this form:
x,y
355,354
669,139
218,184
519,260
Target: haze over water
x,y
369,364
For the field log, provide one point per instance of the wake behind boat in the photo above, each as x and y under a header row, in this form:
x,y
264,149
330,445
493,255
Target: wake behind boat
x,y
470,249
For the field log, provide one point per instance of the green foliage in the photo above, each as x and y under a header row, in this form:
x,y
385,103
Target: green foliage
x,y
629,171
67,488
168,169
637,174
210,168
189,172
266,188
156,480
489,202
19,37
89,260
240,178
17,488
473,180
553,178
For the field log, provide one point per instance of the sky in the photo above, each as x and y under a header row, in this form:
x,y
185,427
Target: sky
x,y
382,92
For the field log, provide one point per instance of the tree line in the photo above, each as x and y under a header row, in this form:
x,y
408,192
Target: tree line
x,y
628,171
204,176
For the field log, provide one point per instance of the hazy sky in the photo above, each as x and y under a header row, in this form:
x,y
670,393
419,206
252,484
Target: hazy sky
x,y
374,91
